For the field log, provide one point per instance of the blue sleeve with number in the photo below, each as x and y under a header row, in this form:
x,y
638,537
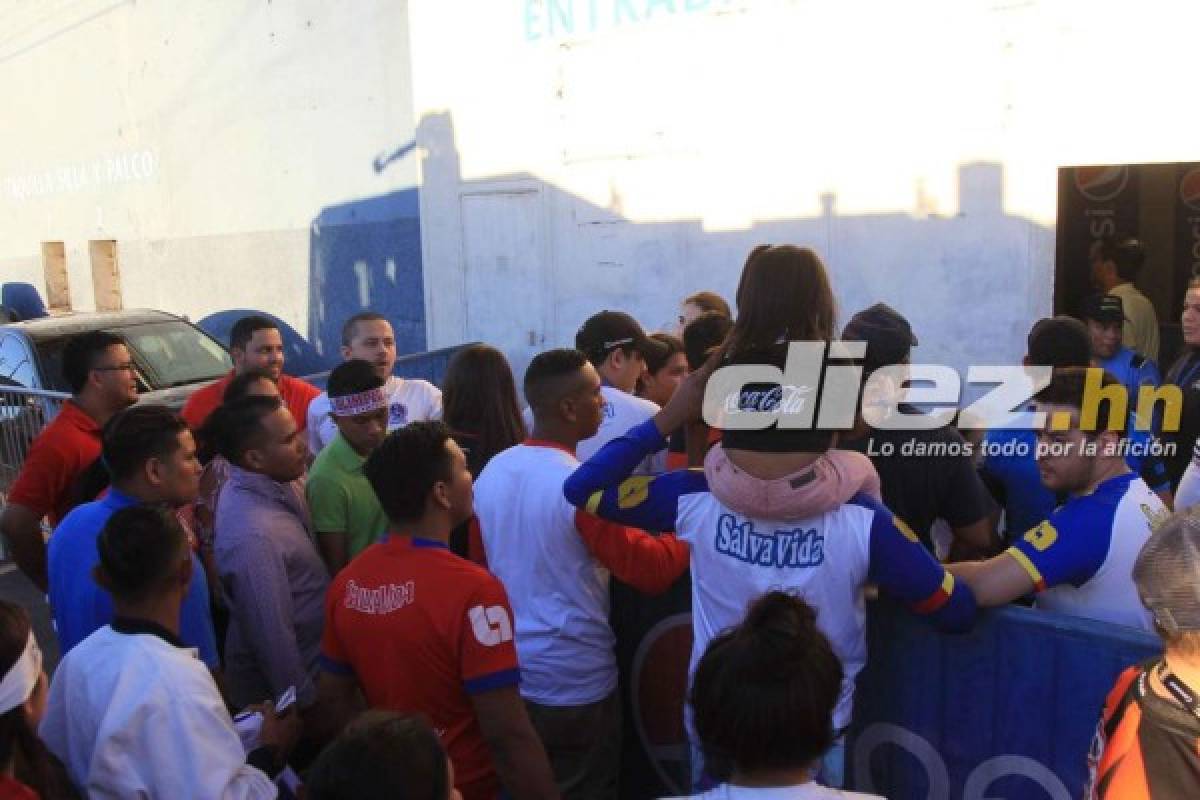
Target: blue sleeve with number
x,y
604,485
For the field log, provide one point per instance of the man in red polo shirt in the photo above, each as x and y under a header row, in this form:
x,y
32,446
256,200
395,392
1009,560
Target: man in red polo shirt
x,y
254,343
100,372
420,630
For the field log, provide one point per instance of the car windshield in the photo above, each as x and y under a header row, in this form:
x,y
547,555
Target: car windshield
x,y
167,354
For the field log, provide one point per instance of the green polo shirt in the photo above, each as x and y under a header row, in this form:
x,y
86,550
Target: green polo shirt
x,y
340,498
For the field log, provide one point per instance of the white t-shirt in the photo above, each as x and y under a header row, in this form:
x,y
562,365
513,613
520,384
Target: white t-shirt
x,y
409,400
621,412
824,559
804,791
559,593
1188,493
131,715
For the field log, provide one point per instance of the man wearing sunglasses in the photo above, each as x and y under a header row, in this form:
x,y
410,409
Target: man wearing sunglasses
x,y
98,368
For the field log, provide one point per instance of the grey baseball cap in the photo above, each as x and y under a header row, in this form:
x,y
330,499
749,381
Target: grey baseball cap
x,y
1167,573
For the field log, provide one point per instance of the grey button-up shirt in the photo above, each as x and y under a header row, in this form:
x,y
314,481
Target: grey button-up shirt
x,y
275,582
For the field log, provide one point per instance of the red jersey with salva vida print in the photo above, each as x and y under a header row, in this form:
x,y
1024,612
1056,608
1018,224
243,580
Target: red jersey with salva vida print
x,y
422,630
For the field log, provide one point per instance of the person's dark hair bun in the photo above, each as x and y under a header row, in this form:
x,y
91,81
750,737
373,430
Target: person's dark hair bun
x,y
764,692
780,631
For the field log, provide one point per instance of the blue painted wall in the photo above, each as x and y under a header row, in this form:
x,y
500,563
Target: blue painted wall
x,y
367,255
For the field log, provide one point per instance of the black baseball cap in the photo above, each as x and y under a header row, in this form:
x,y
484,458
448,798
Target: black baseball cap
x,y
887,333
1103,308
604,332
1059,342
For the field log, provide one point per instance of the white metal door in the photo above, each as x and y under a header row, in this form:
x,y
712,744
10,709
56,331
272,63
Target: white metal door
x,y
504,270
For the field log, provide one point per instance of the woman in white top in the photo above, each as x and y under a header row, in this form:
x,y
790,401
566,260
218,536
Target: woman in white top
x,y
763,697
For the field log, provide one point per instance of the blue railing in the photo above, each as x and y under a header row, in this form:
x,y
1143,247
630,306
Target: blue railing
x,y
1005,711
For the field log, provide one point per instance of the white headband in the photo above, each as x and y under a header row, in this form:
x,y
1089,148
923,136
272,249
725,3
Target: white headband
x,y
20,681
361,403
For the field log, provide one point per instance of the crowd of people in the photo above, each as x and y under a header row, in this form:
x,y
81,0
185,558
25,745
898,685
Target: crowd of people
x,y
385,589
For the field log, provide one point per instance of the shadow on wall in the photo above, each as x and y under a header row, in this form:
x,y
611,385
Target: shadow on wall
x,y
971,280
366,255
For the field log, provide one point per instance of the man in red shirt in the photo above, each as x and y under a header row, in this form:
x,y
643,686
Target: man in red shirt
x,y
254,343
420,630
100,372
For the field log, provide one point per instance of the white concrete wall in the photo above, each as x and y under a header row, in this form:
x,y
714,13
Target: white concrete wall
x,y
206,137
913,144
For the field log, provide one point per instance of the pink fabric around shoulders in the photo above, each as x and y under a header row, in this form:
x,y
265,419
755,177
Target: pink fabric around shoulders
x,y
824,485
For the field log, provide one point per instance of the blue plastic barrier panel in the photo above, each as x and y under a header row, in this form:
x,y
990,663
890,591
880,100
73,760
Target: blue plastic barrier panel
x,y
1005,712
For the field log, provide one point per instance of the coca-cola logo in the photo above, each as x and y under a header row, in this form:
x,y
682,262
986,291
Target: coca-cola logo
x,y
1101,184
777,398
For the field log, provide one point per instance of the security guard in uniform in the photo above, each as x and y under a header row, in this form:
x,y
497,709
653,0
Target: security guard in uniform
x,y
1105,316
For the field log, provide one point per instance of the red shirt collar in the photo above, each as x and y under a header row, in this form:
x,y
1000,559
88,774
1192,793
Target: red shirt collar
x,y
546,443
399,541
72,413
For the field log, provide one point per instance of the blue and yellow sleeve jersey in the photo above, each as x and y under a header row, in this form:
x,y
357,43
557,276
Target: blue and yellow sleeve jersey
x,y
1068,547
905,570
898,562
602,485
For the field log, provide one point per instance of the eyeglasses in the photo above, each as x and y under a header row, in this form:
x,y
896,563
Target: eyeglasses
x,y
116,368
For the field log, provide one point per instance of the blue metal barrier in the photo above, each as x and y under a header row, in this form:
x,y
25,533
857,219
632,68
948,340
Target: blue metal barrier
x,y
1006,711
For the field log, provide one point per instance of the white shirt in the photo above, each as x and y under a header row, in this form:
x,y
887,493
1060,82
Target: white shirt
x,y
1188,493
621,412
559,593
804,791
826,564
133,716
409,400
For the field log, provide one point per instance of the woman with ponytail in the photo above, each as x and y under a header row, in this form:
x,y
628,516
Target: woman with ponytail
x,y
27,770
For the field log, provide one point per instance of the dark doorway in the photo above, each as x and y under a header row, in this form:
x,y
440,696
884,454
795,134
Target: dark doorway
x,y
1159,204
